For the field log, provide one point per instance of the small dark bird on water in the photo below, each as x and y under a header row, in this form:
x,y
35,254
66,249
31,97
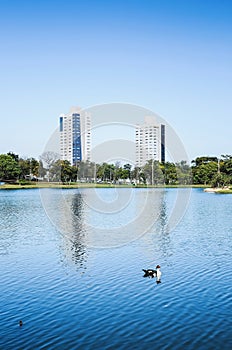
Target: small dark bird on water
x,y
153,273
20,323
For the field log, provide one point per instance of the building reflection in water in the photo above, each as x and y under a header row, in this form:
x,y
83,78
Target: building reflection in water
x,y
128,217
66,211
76,237
108,218
162,225
156,243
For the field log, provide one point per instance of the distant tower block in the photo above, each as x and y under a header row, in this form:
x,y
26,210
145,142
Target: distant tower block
x,y
150,142
75,136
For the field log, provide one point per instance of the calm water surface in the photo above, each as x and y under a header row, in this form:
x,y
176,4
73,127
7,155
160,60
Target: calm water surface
x,y
71,269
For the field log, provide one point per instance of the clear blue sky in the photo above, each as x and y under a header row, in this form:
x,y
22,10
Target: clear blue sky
x,y
171,56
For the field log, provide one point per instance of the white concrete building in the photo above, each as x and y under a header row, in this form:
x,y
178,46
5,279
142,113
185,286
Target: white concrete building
x,y
150,142
75,136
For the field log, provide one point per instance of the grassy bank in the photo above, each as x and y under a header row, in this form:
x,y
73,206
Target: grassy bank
x,y
227,191
36,185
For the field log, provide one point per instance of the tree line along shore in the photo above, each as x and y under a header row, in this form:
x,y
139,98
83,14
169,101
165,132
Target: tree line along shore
x,y
50,171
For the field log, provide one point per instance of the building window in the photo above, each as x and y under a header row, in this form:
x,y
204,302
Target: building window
x,y
61,124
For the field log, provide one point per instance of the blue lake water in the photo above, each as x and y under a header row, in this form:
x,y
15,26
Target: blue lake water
x,y
71,269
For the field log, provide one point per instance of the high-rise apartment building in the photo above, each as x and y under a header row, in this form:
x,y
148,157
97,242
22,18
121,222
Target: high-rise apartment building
x,y
75,136
150,142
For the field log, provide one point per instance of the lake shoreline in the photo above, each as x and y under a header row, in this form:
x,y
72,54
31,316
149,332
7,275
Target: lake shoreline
x,y
219,190
87,185
56,185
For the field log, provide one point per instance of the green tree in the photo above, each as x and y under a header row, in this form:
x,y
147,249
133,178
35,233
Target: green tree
x,y
55,171
41,170
204,169
106,172
34,167
203,160
66,172
127,170
170,173
9,169
24,165
220,180
62,171
135,174
153,173
14,156
226,165
184,173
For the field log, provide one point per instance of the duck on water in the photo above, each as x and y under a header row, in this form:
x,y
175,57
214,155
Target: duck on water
x,y
153,273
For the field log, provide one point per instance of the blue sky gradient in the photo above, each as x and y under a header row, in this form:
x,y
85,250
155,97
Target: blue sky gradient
x,y
171,56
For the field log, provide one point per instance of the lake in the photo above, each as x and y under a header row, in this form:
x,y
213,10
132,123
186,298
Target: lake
x,y
72,260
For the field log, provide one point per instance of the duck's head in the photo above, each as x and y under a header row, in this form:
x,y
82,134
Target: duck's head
x,y
158,267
